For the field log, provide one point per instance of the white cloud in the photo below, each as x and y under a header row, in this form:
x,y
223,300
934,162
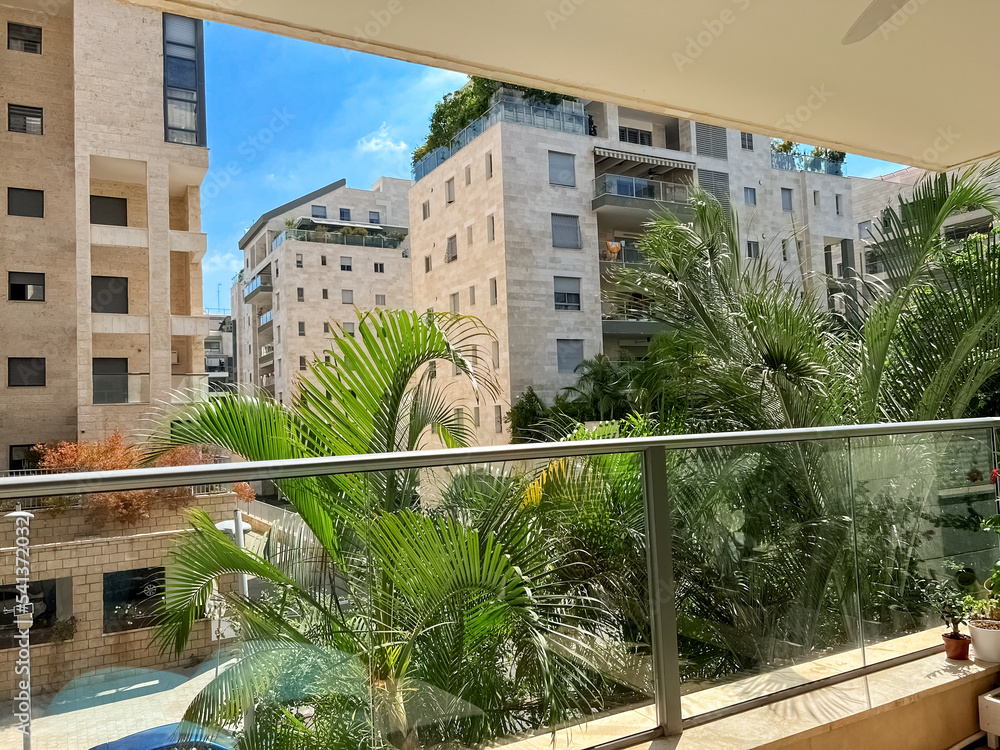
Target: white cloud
x,y
228,262
380,141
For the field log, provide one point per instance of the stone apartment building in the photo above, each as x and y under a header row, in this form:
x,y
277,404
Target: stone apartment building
x,y
101,160
313,264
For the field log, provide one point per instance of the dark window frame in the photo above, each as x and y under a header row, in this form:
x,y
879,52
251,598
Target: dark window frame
x,y
200,135
25,112
11,284
11,363
104,204
345,214
11,26
104,306
11,191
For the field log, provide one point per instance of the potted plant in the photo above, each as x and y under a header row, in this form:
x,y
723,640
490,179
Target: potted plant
x,y
983,616
947,600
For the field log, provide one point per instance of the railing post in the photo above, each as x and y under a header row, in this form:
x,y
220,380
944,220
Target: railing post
x,y
662,615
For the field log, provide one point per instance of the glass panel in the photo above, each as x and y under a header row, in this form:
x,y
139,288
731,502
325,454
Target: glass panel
x,y
764,567
181,73
183,115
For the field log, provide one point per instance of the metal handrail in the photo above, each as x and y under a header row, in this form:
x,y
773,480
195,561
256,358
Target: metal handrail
x,y
173,476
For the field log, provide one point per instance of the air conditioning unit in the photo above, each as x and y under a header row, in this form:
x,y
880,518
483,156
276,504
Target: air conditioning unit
x,y
174,359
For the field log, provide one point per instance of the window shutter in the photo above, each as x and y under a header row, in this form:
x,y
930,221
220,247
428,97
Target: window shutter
x,y
717,184
566,231
711,141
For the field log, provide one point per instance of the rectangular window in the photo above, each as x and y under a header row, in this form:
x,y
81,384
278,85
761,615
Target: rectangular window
x,y
786,199
298,260
25,202
427,264
562,169
380,268
750,196
109,294
380,300
753,249
784,249
183,80
326,328
449,191
302,362
711,140
23,38
468,235
567,293
347,296
839,201
475,416
493,291
495,353
22,458
345,214
346,263
865,230
498,419
472,295
566,231
635,135
569,354
25,372
746,141
348,328
425,208
302,328
489,164
132,598
374,217
454,306
21,119
816,198
468,175
490,229
25,287
319,212
326,294
110,380
322,260
300,294
451,252
109,211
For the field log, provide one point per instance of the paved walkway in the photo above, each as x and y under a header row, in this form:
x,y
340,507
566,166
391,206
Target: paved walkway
x,y
86,714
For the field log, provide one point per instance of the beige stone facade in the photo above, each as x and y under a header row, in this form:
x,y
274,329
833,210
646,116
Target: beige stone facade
x,y
103,135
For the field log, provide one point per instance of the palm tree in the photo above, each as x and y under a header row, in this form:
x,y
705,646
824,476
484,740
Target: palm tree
x,y
383,622
601,388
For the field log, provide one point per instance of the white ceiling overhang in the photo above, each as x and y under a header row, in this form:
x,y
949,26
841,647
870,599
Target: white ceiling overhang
x,y
915,91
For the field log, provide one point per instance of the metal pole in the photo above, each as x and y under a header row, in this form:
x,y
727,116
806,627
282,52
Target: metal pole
x,y
662,615
238,531
23,617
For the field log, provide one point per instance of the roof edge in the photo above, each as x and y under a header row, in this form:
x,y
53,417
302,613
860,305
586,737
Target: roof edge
x,y
266,217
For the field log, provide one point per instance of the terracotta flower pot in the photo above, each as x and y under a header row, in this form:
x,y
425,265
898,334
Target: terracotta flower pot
x,y
956,645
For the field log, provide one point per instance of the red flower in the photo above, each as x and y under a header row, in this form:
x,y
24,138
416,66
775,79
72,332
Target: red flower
x,y
994,474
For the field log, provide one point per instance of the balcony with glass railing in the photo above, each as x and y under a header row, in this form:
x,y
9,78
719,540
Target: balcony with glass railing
x,y
806,163
613,190
266,354
121,388
746,588
336,238
266,318
258,285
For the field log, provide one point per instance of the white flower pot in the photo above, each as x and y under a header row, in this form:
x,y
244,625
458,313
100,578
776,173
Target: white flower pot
x,y
985,643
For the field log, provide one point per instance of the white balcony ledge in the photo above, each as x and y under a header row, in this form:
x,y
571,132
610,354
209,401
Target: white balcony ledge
x,y
110,323
118,236
188,325
195,243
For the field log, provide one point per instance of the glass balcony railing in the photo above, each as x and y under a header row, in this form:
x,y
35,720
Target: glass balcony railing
x,y
131,388
335,238
267,351
644,190
806,163
566,117
259,283
590,589
265,318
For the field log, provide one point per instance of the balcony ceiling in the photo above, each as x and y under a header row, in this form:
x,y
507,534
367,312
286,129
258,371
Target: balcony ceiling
x,y
914,91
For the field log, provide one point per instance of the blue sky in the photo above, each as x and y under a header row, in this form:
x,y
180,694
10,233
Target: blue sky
x,y
286,117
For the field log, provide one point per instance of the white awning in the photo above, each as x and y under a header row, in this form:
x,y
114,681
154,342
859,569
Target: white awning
x,y
659,161
334,223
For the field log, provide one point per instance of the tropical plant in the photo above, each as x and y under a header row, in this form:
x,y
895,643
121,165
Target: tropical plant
x,y
602,387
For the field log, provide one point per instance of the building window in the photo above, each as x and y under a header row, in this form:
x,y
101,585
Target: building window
x,y
468,235
326,294
326,328
750,196
746,141
374,217
569,354
635,135
380,268
22,458
302,362
322,260
468,175
109,294
784,249
489,164
490,229
425,208
786,199
475,416
562,169
319,212
300,294
348,328
498,419
449,191
109,211
493,291
21,119
451,252
25,287
298,260
711,140
346,263
816,198
380,300
753,249
567,293
25,372
566,231
454,302
865,230
110,380
184,80
472,295
25,202
495,353
838,200
347,296
427,264
23,38
132,599
302,328
345,214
